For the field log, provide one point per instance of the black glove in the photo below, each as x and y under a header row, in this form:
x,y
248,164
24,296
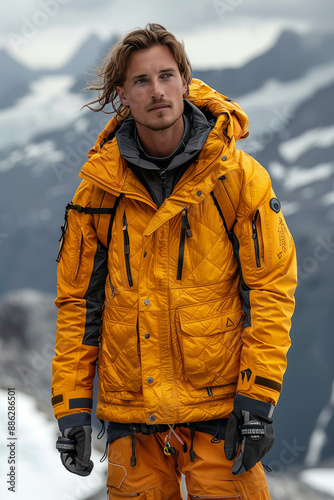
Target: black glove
x,y
256,435
75,449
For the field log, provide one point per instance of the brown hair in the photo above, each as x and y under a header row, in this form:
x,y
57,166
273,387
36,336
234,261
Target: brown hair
x,y
112,71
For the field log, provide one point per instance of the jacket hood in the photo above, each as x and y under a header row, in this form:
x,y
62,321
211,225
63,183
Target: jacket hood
x,y
210,102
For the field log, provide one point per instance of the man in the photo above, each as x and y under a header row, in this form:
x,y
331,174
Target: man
x,y
176,277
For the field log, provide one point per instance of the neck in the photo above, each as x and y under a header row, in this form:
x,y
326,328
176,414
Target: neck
x,y
161,143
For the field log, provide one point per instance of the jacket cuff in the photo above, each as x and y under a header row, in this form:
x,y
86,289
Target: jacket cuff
x,y
253,405
79,401
74,420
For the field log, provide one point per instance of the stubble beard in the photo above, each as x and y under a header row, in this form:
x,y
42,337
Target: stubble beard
x,y
156,127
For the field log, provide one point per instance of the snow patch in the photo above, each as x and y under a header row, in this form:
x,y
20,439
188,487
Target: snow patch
x,y
39,156
38,469
328,199
290,208
319,479
81,125
318,438
321,137
297,177
271,107
277,170
34,216
276,93
49,106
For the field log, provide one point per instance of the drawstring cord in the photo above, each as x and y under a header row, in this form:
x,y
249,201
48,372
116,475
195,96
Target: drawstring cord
x,y
217,437
100,436
172,431
102,459
191,451
102,431
133,459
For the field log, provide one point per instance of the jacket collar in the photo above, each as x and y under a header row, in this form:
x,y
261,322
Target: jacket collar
x,y
107,169
196,132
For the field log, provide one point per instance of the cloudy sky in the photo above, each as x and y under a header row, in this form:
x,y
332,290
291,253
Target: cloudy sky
x,y
216,32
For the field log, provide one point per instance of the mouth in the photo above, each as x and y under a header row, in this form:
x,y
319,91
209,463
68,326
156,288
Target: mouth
x,y
157,107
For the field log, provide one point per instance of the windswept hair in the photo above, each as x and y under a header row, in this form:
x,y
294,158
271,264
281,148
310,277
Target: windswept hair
x,y
112,71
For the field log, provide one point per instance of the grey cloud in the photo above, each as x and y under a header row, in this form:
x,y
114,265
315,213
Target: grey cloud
x,y
319,13
191,15
88,4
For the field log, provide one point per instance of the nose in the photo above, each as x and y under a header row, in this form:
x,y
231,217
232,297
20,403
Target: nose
x,y
156,89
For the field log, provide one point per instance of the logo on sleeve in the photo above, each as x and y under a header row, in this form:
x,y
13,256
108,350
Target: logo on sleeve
x,y
246,373
275,205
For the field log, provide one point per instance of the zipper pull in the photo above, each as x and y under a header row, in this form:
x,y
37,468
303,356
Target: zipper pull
x,y
124,223
188,229
163,181
125,230
163,177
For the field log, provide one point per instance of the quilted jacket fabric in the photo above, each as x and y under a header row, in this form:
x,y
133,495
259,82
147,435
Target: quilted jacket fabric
x,y
179,313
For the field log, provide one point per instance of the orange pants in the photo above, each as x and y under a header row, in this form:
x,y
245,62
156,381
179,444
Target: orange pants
x,y
157,476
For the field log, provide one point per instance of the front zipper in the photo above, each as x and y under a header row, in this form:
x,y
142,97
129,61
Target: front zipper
x,y
127,249
255,237
163,182
185,230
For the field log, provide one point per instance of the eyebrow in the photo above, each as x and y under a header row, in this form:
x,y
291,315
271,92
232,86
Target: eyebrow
x,y
144,75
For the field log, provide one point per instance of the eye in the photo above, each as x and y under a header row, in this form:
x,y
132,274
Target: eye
x,y
167,75
140,80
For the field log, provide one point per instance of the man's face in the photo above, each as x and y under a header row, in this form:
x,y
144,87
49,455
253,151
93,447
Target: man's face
x,y
153,89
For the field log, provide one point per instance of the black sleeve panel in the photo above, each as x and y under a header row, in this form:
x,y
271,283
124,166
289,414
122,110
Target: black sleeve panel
x,y
95,296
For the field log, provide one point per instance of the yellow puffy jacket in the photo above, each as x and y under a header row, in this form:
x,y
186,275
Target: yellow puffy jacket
x,y
185,309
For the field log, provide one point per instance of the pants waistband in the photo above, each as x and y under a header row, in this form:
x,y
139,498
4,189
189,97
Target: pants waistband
x,y
214,427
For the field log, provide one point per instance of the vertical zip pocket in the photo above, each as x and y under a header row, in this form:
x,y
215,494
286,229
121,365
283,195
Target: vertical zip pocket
x,y
257,238
127,249
79,252
185,230
111,287
272,239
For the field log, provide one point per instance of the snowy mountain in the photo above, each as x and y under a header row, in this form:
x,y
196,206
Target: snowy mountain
x,y
15,80
287,61
288,94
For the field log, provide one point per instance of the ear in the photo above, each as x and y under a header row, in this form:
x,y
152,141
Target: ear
x,y
121,95
185,88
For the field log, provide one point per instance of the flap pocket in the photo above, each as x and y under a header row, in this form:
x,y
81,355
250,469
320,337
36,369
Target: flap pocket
x,y
116,475
210,325
210,344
